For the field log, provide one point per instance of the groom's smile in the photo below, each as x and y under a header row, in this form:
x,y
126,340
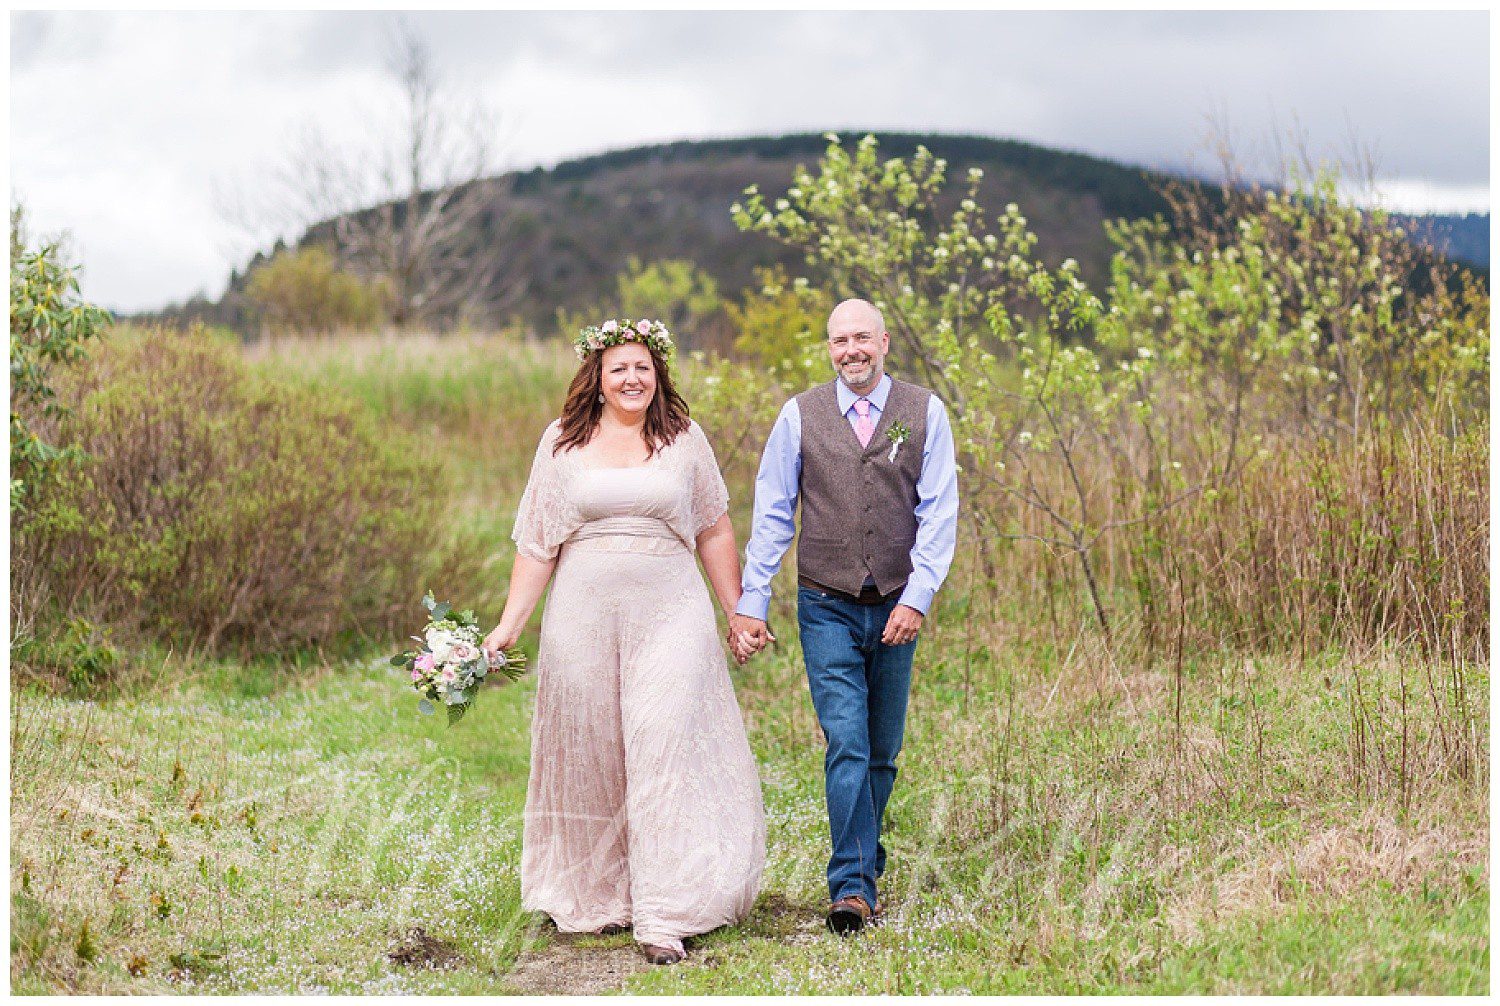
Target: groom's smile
x,y
855,370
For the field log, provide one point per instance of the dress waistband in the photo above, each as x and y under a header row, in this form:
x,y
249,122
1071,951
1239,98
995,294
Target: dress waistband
x,y
643,534
642,527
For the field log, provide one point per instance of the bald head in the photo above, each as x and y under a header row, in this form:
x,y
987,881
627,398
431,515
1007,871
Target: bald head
x,y
859,313
857,344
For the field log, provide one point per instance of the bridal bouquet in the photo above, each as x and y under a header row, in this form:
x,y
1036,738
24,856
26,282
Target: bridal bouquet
x,y
450,665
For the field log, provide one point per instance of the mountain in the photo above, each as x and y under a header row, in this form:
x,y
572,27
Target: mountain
x,y
569,230
566,232
1461,237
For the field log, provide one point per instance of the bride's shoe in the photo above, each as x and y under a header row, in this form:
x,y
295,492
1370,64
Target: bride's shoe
x,y
662,955
612,929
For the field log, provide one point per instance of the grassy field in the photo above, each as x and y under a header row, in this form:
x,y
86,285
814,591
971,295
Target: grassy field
x,y
1063,823
235,832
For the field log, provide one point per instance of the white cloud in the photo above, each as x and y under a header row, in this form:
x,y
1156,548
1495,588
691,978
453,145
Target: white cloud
x,y
122,125
1425,197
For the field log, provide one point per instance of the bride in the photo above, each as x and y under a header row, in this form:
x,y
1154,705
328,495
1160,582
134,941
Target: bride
x,y
643,808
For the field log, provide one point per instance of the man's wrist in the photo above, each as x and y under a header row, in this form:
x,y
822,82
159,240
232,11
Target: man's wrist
x,y
756,606
918,599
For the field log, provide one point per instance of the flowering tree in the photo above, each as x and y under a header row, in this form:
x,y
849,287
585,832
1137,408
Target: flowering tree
x,y
1324,315
997,333
1252,316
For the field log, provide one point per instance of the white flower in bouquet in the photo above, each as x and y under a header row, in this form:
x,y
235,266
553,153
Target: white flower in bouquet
x,y
450,665
440,642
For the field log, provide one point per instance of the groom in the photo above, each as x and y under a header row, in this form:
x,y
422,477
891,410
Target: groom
x,y
871,461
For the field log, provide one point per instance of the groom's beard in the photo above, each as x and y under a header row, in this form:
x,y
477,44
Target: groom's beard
x,y
858,375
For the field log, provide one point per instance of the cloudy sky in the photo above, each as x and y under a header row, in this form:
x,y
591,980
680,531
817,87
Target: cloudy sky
x,y
135,133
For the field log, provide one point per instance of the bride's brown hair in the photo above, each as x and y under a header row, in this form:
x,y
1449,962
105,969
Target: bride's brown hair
x,y
666,416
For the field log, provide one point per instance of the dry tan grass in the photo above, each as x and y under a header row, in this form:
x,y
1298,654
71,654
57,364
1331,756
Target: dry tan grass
x,y
414,348
1359,543
1332,861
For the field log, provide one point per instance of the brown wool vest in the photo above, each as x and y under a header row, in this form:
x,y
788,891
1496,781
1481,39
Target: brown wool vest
x,y
859,507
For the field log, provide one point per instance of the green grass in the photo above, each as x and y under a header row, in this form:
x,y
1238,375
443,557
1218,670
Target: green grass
x,y
283,842
265,844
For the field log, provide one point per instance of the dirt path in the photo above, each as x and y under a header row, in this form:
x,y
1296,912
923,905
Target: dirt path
x,y
584,964
565,968
587,965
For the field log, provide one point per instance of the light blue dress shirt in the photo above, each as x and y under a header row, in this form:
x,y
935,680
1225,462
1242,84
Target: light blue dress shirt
x,y
776,492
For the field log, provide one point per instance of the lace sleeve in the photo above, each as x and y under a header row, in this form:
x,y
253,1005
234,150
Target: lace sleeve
x,y
544,518
710,497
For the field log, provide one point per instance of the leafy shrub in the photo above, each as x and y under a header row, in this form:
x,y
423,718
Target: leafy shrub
x,y
49,324
220,508
674,290
305,291
782,322
75,650
1301,310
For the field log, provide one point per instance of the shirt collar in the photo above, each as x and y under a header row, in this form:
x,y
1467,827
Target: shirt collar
x,y
877,397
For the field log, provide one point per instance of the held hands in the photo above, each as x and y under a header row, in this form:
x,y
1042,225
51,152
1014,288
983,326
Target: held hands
x,y
747,636
902,626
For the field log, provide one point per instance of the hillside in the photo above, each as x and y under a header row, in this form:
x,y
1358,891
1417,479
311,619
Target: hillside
x,y
569,230
1462,237
566,232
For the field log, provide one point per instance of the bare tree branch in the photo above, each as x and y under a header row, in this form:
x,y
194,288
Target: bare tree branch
x,y
419,205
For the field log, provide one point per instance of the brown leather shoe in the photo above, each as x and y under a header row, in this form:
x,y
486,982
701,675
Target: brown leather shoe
x,y
848,915
662,955
877,914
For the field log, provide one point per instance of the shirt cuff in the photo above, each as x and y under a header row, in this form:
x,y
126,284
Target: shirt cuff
x,y
755,604
918,597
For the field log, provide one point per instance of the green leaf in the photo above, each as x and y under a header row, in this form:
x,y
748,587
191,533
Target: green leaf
x,y
456,713
441,611
400,659
426,708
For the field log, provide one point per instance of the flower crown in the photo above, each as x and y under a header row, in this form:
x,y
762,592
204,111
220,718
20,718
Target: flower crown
x,y
613,333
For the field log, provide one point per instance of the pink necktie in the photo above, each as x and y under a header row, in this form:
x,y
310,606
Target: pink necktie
x,y
863,427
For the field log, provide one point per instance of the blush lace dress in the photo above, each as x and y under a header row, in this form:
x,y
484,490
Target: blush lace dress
x,y
644,805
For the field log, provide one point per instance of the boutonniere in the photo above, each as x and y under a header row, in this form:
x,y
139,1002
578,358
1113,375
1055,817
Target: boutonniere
x,y
897,434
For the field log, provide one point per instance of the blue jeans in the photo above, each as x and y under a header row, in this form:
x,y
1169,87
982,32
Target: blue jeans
x,y
859,688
